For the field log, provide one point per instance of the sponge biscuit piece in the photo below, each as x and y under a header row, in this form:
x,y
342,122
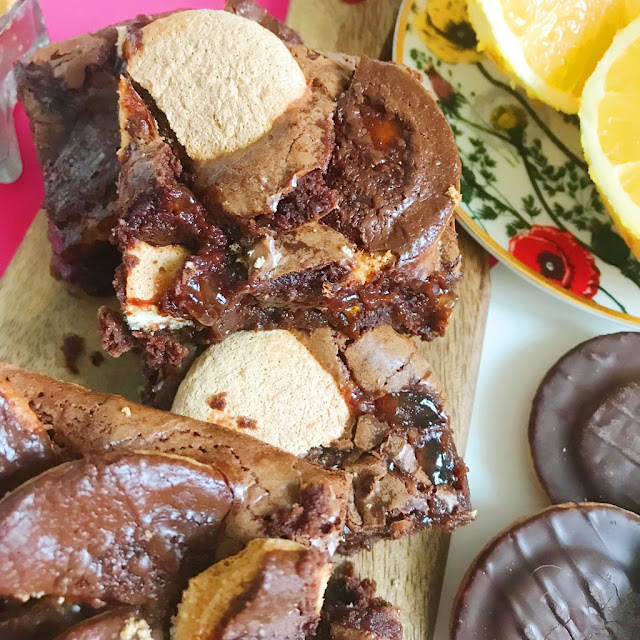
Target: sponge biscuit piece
x,y
220,79
150,271
273,590
268,381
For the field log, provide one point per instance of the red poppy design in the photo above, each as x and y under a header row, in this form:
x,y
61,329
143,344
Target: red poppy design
x,y
558,256
440,86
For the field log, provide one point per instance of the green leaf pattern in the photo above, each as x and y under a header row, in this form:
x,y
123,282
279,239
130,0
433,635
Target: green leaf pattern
x,y
522,166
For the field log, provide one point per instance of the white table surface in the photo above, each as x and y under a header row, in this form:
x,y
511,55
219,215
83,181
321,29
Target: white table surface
x,y
527,331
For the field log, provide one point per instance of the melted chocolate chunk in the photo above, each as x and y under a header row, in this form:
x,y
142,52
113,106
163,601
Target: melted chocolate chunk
x,y
25,447
114,528
410,408
155,205
583,430
211,289
394,164
571,571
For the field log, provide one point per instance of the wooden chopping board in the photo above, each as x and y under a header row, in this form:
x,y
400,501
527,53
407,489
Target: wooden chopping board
x,y
409,572
37,312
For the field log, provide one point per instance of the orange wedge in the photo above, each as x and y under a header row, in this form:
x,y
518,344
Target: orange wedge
x,y
549,47
610,123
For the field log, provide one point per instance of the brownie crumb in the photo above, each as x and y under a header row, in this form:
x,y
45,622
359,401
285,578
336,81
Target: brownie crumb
x,y
307,515
218,401
72,349
246,423
96,358
352,610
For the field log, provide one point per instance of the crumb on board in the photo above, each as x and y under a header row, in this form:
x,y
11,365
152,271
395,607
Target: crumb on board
x,y
96,358
72,348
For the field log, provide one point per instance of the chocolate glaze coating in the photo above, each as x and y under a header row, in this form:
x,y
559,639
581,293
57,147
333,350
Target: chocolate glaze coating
x,y
113,528
571,571
609,448
281,603
39,619
574,400
25,446
394,164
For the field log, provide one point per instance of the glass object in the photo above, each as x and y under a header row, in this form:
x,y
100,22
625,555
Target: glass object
x,y
22,31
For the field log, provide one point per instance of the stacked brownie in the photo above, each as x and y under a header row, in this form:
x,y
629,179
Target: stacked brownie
x,y
277,223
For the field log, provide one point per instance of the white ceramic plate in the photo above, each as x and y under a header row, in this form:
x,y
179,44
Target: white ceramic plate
x,y
526,193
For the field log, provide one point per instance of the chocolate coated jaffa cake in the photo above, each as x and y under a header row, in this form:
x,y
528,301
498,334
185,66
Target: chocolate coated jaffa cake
x,y
569,571
372,407
286,189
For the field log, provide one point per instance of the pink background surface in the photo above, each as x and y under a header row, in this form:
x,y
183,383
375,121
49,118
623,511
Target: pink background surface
x,y
20,201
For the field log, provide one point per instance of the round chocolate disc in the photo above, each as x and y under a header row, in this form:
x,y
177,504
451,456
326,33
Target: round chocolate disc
x,y
570,572
609,448
584,427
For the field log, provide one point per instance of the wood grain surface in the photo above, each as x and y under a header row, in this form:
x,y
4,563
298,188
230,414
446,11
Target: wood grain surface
x,y
37,312
409,572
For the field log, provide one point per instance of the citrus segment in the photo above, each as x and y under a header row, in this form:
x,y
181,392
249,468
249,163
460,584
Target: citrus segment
x,y
610,123
550,47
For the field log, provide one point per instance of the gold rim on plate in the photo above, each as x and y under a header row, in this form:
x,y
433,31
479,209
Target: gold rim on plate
x,y
486,240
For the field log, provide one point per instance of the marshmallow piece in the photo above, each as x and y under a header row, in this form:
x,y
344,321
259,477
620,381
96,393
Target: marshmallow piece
x,y
220,79
270,382
150,271
273,588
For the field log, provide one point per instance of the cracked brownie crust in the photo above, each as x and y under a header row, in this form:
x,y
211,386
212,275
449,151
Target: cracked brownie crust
x,y
69,92
102,545
371,407
349,227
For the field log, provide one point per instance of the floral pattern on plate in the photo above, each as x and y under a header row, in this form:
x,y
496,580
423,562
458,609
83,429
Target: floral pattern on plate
x,y
526,192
